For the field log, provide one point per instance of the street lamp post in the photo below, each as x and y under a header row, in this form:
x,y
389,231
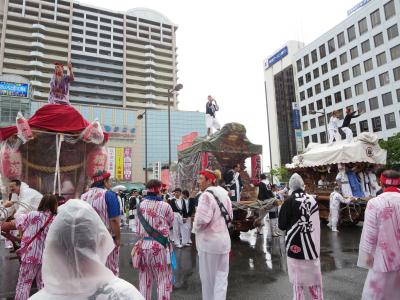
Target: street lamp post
x,y
139,117
170,92
314,112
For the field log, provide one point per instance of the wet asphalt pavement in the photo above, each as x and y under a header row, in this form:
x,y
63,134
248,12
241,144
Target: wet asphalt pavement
x,y
257,269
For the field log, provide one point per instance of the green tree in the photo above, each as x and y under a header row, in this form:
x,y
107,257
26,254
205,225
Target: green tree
x,y
281,172
392,146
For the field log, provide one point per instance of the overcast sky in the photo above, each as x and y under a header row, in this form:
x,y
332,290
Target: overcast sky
x,y
222,45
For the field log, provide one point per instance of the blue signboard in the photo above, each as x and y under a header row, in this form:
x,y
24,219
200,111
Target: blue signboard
x,y
296,119
276,57
14,89
357,7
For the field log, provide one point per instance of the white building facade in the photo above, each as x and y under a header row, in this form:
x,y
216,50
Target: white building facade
x,y
354,65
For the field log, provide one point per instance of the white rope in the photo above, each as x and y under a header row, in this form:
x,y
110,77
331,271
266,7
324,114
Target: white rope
x,y
57,175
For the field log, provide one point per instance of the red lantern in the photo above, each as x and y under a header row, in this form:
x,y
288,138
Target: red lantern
x,y
96,161
11,162
93,133
24,130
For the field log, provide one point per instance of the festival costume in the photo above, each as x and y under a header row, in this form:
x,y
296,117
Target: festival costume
x,y
96,197
333,130
334,206
373,183
380,246
213,243
28,196
77,246
59,90
178,226
355,184
211,120
234,182
151,257
344,184
31,257
346,125
265,193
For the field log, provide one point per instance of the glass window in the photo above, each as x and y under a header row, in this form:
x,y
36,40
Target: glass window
x,y
351,107
306,61
364,126
338,97
130,117
321,120
356,70
335,80
339,114
302,95
316,73
376,124
119,117
389,9
333,63
378,39
373,103
398,95
85,111
309,92
322,51
326,84
362,26
354,52
384,79
353,129
299,66
361,106
359,89
368,65
313,123
345,75
331,45
301,81
381,59
371,85
343,58
322,136
306,141
314,56
396,73
314,138
324,68
347,93
305,125
375,18
303,110
395,52
340,39
351,33
320,104
365,46
311,107
392,32
97,112
317,88
308,77
108,116
328,101
387,99
390,121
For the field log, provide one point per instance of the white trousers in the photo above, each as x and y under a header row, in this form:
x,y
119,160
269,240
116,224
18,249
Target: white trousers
x,y
177,229
212,122
186,230
349,134
333,216
334,134
214,270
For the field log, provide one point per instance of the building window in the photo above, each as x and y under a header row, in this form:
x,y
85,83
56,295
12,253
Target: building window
x,y
343,58
368,65
311,107
353,129
387,99
345,75
331,45
303,110
398,95
309,92
390,121
384,79
354,52
322,51
361,106
302,96
326,84
316,73
347,93
371,85
314,56
299,66
339,114
381,59
362,26
375,18
322,136
314,138
351,33
395,52
301,81
320,104
359,89
356,70
335,80
306,61
333,63
338,97
321,120
340,39
305,126
324,68
376,124
373,103
378,39
328,101
389,9
365,46
306,141
396,73
392,32
308,77
364,126
313,123
317,88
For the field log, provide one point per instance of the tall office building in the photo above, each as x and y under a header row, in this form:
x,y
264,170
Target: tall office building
x,y
282,110
354,65
122,59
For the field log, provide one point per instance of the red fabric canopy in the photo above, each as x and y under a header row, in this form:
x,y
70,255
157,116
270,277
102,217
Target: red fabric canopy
x,y
52,117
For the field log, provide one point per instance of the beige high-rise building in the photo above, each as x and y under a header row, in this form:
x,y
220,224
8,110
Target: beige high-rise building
x,y
121,59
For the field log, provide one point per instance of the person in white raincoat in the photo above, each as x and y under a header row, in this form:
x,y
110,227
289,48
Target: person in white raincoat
x,y
343,181
335,199
76,249
21,192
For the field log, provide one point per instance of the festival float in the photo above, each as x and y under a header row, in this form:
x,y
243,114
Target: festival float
x,y
356,159
222,150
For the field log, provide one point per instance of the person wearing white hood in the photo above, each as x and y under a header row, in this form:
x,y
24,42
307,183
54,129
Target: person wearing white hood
x,y
213,215
28,197
76,249
299,216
